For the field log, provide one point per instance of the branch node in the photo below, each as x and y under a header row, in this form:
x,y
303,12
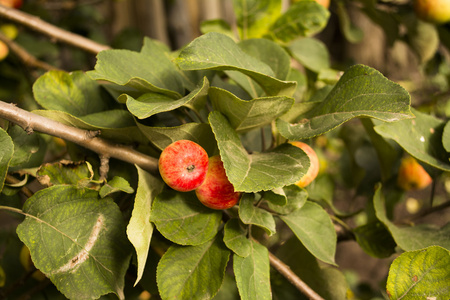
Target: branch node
x,y
92,133
29,130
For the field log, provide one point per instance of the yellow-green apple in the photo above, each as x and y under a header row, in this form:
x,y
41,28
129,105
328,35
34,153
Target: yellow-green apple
x,y
183,165
12,3
324,3
434,11
25,260
314,166
216,191
411,175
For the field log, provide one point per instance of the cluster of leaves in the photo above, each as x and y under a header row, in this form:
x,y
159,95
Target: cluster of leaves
x,y
241,98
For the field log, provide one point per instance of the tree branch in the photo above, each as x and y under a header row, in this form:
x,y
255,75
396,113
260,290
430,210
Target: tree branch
x,y
284,270
54,32
88,139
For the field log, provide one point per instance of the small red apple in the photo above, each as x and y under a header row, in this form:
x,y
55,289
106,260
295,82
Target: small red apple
x,y
434,11
411,175
216,191
12,3
314,166
183,165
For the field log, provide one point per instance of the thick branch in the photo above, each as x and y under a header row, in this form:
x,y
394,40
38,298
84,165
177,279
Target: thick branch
x,y
284,270
32,122
54,32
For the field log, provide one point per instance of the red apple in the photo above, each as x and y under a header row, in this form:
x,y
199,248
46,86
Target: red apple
x,y
12,3
314,166
411,175
183,165
216,191
434,11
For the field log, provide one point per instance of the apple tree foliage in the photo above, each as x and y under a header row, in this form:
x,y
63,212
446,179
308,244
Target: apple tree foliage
x,y
239,96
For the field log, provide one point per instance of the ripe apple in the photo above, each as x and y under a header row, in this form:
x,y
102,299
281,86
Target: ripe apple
x,y
216,191
314,166
183,165
411,175
25,260
12,3
324,3
434,11
4,51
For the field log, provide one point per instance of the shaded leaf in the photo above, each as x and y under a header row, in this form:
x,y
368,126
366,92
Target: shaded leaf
x,y
253,273
235,237
65,172
29,149
295,198
308,223
250,214
183,219
139,229
351,33
117,184
6,153
375,239
192,272
361,92
423,273
77,240
311,53
446,137
215,51
255,172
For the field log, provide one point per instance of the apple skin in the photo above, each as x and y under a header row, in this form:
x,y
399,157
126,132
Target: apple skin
x,y
324,3
12,3
314,166
4,51
433,11
183,165
216,191
412,176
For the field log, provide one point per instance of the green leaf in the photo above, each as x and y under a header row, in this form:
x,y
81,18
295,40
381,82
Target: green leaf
x,y
361,92
77,240
310,222
117,184
254,17
255,172
247,115
183,219
200,133
192,272
253,273
150,104
295,198
6,153
411,238
65,172
215,51
420,274
352,33
375,239
235,237
304,18
311,53
128,69
29,149
421,137
249,214
74,93
446,137
139,229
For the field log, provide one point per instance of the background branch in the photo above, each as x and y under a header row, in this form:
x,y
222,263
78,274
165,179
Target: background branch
x,y
54,32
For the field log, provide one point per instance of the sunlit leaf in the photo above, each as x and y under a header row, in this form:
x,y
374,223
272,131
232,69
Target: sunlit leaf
x,y
116,184
65,172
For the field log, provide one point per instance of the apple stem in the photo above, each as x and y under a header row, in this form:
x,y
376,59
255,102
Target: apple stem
x,y
190,168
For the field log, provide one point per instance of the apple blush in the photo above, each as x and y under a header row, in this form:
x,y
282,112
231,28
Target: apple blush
x,y
216,191
183,165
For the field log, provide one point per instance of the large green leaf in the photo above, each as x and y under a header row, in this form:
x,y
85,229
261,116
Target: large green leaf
x,y
74,93
304,18
183,219
411,238
246,115
150,104
253,273
421,137
139,229
235,237
6,153
361,92
77,240
420,274
216,51
310,222
311,53
192,272
255,172
250,214
254,17
150,70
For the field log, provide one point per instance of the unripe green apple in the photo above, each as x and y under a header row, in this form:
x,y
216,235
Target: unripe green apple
x,y
434,11
216,191
314,166
411,175
12,3
183,165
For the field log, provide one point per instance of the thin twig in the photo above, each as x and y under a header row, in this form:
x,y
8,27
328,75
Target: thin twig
x,y
32,122
50,30
284,270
